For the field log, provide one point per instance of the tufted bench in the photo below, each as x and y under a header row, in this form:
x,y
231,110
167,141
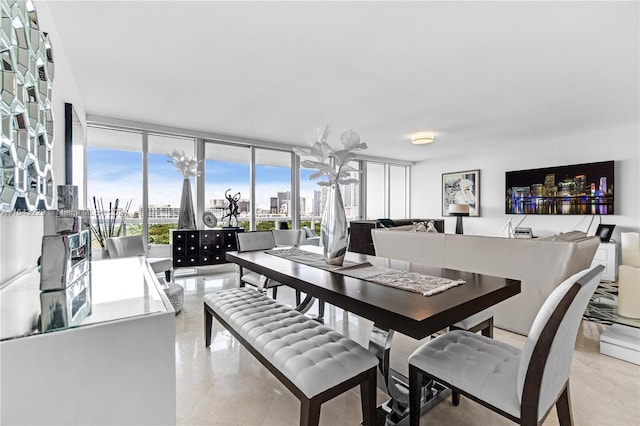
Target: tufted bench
x,y
313,361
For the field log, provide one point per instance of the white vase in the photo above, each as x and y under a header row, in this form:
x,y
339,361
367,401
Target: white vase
x,y
333,230
187,217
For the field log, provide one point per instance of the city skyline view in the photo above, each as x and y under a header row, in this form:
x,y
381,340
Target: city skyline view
x,y
118,174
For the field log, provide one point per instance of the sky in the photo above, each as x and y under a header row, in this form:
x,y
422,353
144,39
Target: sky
x,y
115,174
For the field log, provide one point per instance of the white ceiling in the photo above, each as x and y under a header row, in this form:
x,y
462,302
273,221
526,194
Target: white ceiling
x,y
478,74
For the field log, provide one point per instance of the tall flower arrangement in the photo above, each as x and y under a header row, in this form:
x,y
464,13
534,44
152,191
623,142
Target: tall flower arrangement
x,y
331,163
188,167
334,165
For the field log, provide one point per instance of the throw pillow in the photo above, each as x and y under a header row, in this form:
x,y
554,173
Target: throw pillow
x,y
420,227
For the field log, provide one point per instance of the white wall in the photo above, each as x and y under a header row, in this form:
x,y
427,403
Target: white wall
x,y
21,236
619,144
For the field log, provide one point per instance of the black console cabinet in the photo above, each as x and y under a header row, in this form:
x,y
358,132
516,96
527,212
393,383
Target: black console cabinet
x,y
202,247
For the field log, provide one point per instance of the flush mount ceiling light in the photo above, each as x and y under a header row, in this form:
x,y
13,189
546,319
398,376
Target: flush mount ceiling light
x,y
422,138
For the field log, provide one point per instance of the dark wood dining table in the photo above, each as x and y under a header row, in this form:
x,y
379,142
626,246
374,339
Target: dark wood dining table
x,y
391,309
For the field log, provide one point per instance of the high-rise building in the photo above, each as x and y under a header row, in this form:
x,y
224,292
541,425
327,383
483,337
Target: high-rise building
x,y
603,184
303,206
550,185
273,207
317,203
244,206
581,184
284,197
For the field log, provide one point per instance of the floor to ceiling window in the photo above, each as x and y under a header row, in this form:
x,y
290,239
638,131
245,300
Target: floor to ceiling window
x,y
273,205
165,185
312,200
376,190
398,192
114,175
387,190
227,173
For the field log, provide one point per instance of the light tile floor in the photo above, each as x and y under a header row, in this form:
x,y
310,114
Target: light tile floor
x,y
225,385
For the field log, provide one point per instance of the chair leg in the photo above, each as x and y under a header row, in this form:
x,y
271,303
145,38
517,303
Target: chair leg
x,y
455,397
298,297
274,292
488,330
563,407
368,398
309,412
167,275
415,384
320,308
208,319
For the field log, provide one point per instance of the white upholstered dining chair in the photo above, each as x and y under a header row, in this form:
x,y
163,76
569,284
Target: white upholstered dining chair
x,y
252,241
287,237
522,385
133,245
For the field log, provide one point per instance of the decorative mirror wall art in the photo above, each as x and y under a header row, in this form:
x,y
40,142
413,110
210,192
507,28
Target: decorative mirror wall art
x,y
26,60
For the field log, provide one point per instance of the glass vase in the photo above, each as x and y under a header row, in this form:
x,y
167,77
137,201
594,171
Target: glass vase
x,y
333,230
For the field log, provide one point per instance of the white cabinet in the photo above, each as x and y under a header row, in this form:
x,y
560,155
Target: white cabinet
x,y
116,367
607,255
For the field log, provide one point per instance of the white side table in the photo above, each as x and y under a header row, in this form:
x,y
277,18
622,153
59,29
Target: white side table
x,y
607,255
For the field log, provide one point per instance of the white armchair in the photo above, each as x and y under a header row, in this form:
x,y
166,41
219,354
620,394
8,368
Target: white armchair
x,y
309,237
629,276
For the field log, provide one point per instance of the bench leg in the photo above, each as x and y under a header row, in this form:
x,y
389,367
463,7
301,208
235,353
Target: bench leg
x,y
368,398
208,320
309,412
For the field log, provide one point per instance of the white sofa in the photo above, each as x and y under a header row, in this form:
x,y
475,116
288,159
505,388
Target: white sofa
x,y
540,264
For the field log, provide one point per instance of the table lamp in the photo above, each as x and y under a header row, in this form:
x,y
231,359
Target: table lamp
x,y
459,210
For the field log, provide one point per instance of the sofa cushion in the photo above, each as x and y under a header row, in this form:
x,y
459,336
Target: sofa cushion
x,y
567,236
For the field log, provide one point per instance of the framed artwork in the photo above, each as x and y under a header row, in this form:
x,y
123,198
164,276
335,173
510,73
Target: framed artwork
x,y
605,232
461,188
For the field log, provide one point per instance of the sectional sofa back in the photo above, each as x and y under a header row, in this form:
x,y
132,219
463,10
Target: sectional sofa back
x,y
539,265
418,247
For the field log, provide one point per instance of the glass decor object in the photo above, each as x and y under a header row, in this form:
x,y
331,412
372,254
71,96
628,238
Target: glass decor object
x,y
188,166
26,140
334,164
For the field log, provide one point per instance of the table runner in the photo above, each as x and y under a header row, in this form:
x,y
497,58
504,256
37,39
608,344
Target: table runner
x,y
427,285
